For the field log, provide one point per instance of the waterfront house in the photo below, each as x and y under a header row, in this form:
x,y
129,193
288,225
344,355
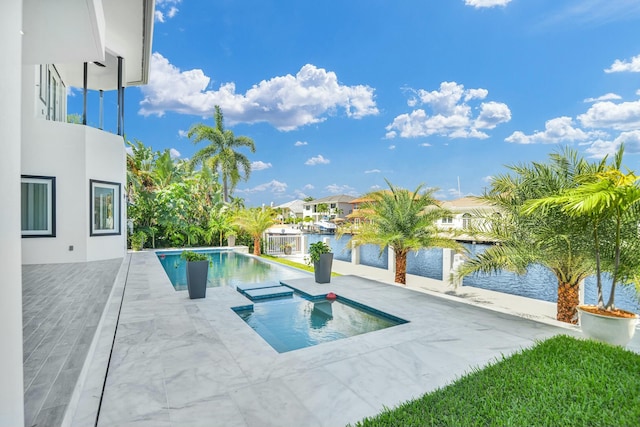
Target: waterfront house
x,y
336,207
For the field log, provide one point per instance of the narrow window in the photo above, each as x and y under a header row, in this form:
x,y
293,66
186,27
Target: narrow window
x,y
466,221
38,206
105,208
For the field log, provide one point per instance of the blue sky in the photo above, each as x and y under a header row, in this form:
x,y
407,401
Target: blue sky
x,y
339,95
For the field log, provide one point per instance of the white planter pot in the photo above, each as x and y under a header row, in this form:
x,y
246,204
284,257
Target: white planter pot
x,y
612,330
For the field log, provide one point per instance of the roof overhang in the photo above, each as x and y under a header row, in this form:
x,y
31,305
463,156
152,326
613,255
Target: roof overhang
x,y
68,33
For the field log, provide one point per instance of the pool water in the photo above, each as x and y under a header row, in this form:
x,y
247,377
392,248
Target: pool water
x,y
297,322
227,268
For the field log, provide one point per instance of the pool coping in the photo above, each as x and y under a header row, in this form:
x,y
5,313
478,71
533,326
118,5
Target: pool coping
x,y
265,376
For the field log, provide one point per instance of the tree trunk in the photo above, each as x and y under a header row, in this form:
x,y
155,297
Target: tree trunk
x,y
568,300
256,246
401,267
225,188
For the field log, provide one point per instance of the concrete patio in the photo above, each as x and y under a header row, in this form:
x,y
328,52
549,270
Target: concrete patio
x,y
172,361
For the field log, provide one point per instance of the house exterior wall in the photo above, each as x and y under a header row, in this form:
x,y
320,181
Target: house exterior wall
x,y
106,160
73,154
11,385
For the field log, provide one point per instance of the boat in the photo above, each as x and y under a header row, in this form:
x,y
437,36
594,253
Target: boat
x,y
325,226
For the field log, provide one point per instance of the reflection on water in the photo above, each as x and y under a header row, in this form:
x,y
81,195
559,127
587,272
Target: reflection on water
x,y
227,268
292,323
539,282
425,263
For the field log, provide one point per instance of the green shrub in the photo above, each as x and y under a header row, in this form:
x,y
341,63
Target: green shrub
x,y
138,240
192,256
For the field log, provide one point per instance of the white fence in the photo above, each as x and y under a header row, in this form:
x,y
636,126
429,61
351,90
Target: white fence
x,y
285,244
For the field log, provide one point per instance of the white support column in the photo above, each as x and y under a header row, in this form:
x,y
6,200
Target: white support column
x,y
355,253
447,264
391,256
305,244
11,382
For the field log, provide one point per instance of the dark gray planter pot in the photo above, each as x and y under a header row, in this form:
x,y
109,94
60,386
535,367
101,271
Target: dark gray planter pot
x,y
197,278
322,268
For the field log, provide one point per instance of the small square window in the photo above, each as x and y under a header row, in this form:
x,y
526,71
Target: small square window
x,y
105,208
38,206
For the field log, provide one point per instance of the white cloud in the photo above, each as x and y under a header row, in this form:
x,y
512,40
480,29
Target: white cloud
x,y
300,143
638,92
166,9
601,148
373,171
308,187
260,165
300,194
173,11
375,187
619,66
631,141
174,153
454,192
286,102
341,189
486,3
317,160
622,116
182,133
272,187
591,13
425,144
606,97
560,129
452,115
392,147
492,114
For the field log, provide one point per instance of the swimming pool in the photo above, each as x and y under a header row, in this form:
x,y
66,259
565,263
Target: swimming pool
x,y
297,322
227,268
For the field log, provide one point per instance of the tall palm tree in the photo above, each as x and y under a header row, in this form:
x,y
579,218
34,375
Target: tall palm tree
x,y
255,222
552,238
404,221
221,152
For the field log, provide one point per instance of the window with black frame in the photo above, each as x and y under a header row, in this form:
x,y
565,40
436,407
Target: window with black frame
x,y
105,208
38,206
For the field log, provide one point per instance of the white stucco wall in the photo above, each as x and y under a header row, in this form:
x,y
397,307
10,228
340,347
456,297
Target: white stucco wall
x,y
11,382
106,161
74,154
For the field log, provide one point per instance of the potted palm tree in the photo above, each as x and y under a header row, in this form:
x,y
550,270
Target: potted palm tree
x,y
609,203
197,271
321,257
549,237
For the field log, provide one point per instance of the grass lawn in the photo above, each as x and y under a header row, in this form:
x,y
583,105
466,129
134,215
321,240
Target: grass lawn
x,y
562,381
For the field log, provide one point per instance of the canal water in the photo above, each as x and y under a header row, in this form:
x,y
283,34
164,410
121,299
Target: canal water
x,y
539,282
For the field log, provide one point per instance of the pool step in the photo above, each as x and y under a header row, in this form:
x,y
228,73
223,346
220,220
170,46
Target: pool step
x,y
256,291
243,288
270,292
